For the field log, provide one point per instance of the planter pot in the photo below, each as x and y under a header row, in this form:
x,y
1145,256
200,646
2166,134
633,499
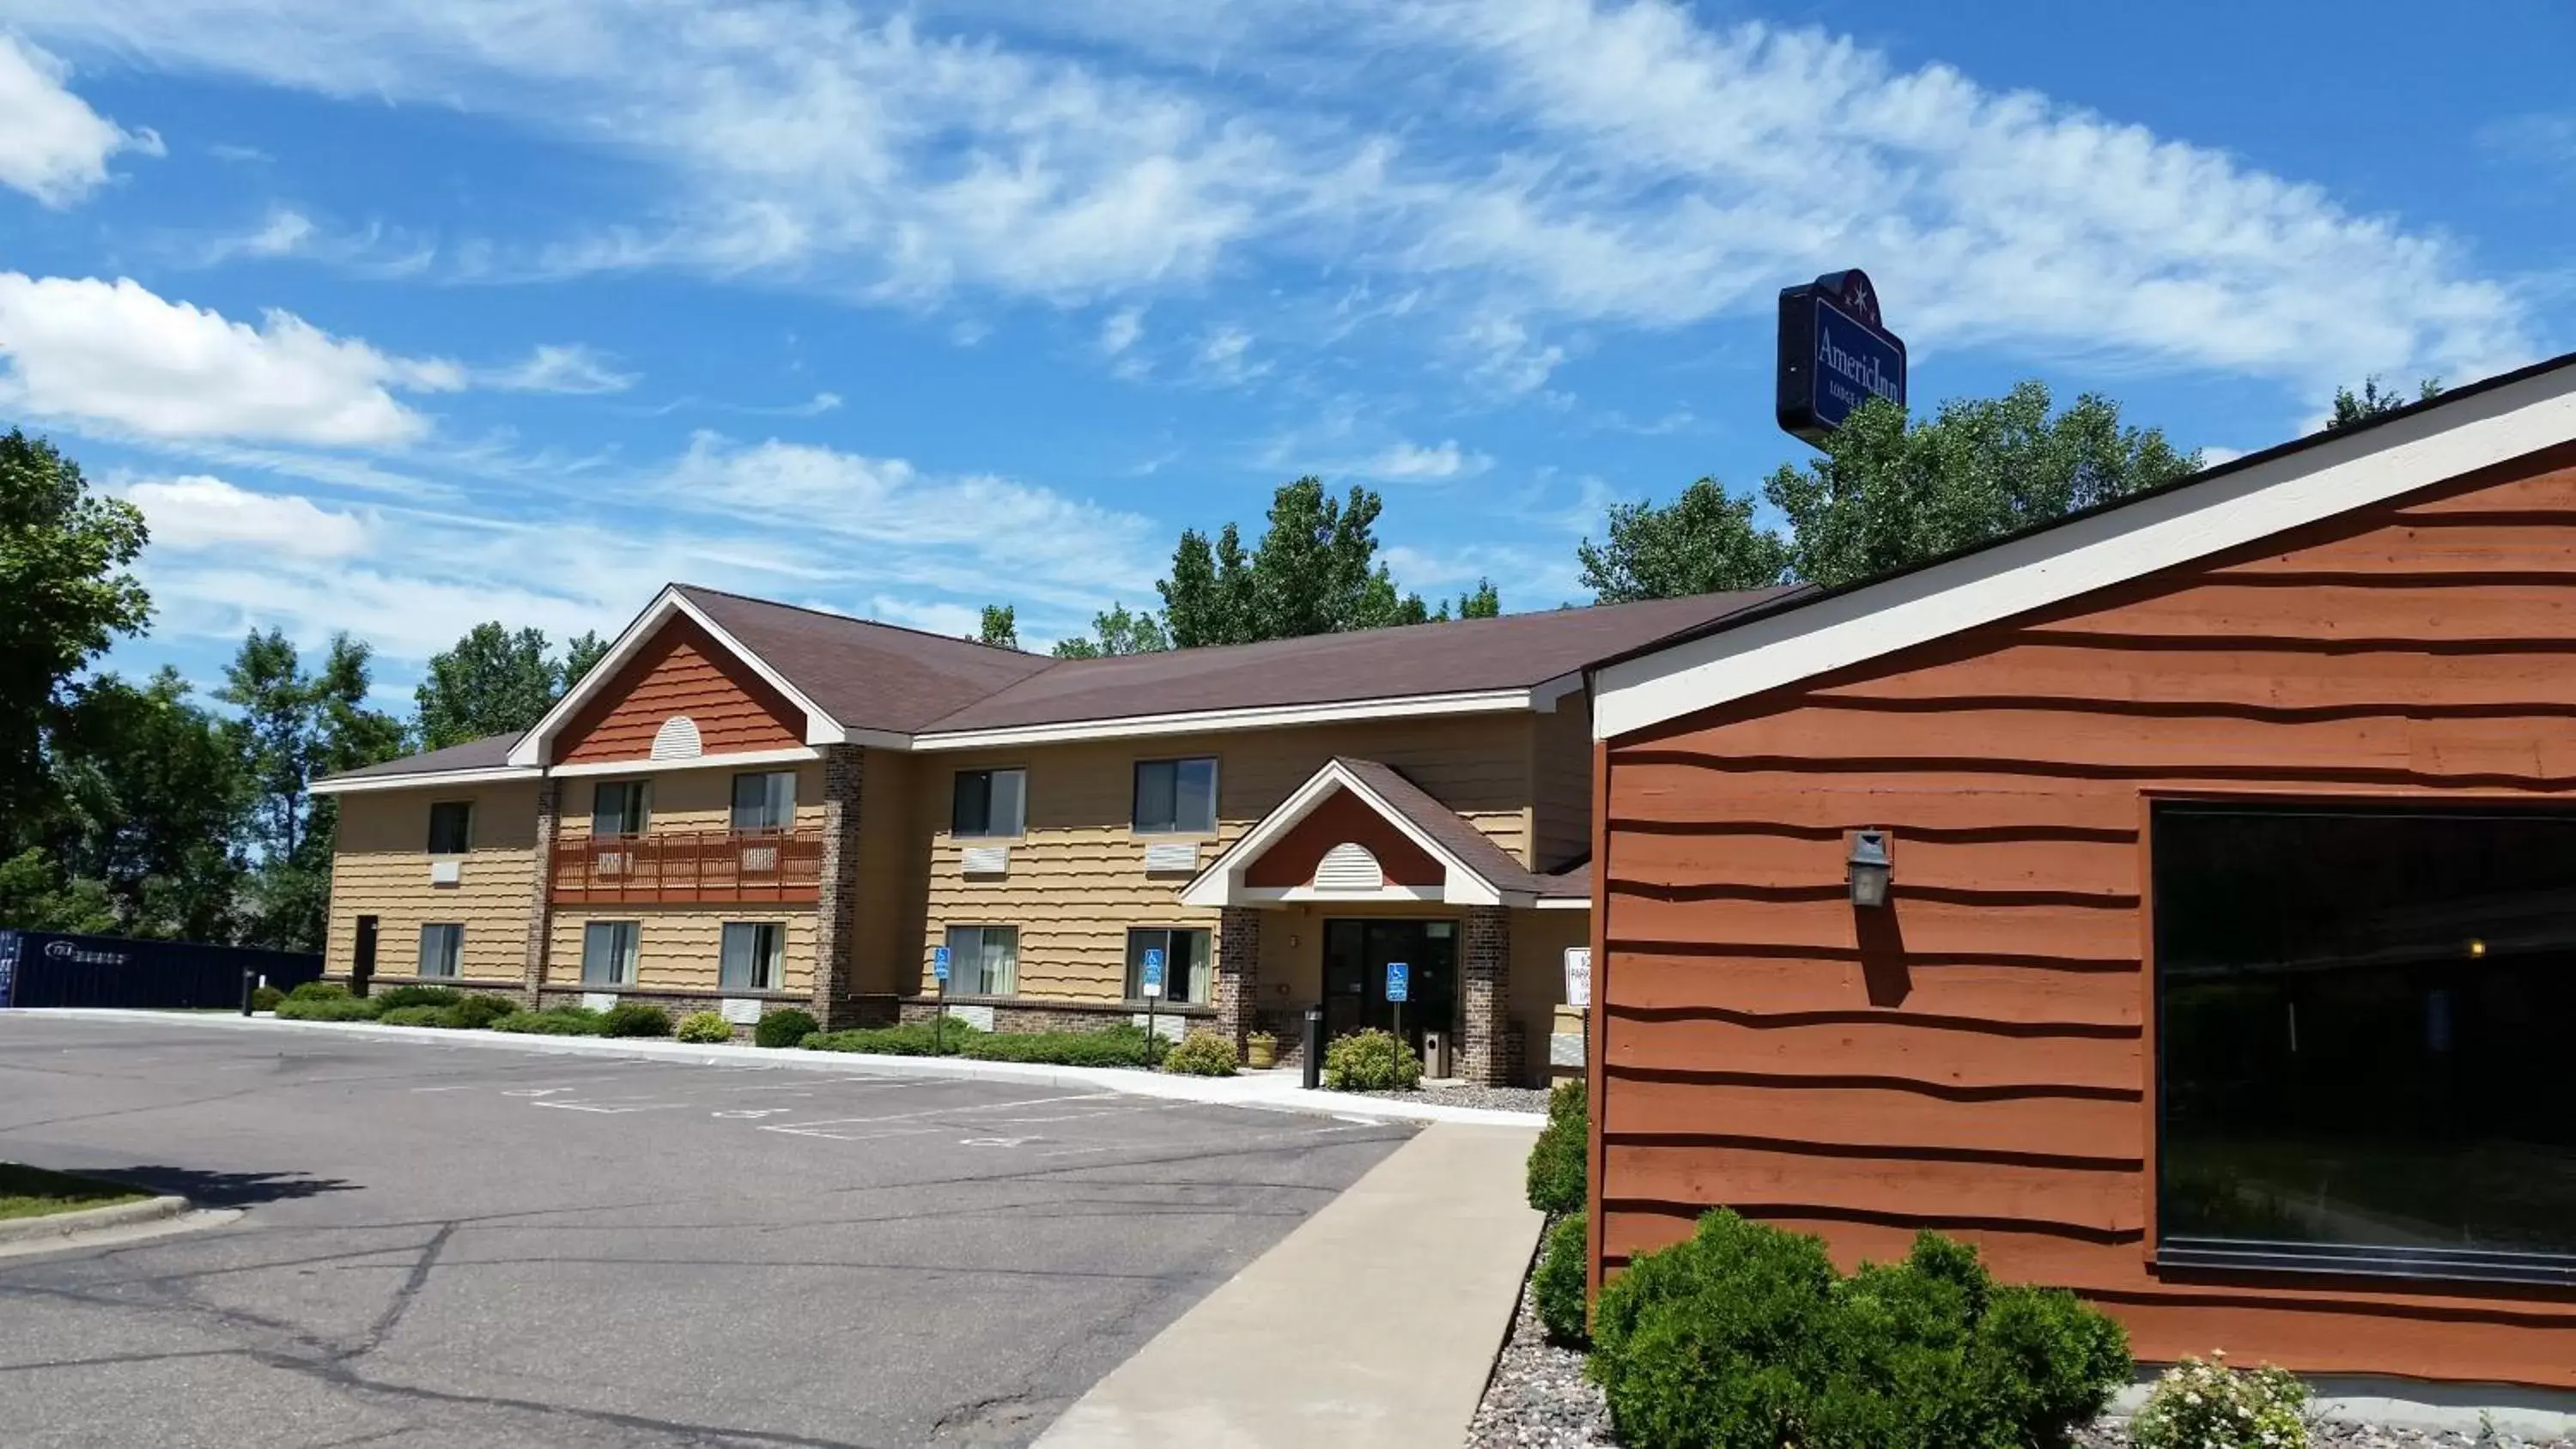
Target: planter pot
x,y
1260,1054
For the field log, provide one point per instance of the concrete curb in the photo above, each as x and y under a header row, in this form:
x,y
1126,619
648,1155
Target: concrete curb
x,y
90,1220
1263,1091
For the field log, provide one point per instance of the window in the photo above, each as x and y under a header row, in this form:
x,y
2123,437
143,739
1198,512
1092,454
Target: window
x,y
451,827
1176,796
989,802
766,801
608,953
2361,1040
983,960
1185,964
754,955
442,949
617,807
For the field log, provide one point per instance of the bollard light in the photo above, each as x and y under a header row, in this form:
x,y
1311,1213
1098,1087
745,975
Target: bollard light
x,y
1869,868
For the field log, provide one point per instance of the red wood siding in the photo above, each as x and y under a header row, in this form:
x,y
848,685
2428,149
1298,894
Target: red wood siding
x,y
1343,816
681,671
1975,1058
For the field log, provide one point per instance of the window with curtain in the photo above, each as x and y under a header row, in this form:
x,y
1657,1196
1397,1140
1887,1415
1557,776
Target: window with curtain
x,y
754,956
765,801
451,827
442,949
983,960
617,807
1186,977
1176,797
988,802
608,953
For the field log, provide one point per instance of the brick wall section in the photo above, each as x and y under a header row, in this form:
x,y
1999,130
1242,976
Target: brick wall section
x,y
1486,1055
1238,972
541,902
836,912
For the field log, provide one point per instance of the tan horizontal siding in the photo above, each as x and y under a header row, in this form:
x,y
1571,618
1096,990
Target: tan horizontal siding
x,y
678,801
682,949
380,866
1561,783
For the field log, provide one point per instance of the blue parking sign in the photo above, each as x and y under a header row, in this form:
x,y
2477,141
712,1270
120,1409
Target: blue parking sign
x,y
939,964
1399,977
1152,971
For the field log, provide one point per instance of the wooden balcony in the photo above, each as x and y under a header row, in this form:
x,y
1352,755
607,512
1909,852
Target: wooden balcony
x,y
686,867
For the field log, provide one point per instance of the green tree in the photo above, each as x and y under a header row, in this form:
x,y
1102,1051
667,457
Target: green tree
x,y
582,653
291,727
1483,602
37,894
1000,627
493,682
157,803
1209,597
2351,407
1116,632
1703,542
1315,571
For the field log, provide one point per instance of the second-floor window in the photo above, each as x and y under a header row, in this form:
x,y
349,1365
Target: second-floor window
x,y
989,802
765,801
451,827
1176,797
617,807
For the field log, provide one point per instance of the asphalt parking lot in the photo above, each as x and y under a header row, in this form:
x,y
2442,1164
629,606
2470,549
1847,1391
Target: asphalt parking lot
x,y
461,1246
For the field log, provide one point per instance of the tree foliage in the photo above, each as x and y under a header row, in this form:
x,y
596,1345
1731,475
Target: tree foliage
x,y
1315,571
291,727
157,799
2359,407
582,653
1000,627
1116,632
494,681
1703,542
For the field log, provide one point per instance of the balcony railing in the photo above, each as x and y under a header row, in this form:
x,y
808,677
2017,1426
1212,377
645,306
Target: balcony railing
x,y
679,867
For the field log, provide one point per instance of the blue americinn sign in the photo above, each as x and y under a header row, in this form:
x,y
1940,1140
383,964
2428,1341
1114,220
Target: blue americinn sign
x,y
1835,354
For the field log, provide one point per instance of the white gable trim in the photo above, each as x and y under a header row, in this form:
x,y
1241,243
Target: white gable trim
x,y
1221,884
537,744
2161,531
481,775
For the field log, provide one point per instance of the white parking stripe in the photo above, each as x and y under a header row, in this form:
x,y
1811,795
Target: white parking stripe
x,y
935,1112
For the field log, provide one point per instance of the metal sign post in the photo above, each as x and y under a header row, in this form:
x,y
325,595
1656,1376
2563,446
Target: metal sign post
x,y
1399,983
939,973
1151,969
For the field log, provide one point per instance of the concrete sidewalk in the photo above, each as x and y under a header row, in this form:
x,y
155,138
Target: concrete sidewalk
x,y
1375,1323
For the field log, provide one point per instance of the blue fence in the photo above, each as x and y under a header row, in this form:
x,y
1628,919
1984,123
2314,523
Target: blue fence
x,y
46,968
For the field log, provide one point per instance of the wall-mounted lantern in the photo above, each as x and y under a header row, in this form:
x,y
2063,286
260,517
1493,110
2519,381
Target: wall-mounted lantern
x,y
1869,868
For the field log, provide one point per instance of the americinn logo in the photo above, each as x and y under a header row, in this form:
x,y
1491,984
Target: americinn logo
x,y
79,956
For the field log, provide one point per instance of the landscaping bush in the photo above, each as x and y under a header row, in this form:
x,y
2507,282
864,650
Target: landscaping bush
x,y
1743,1337
1201,1054
635,1018
413,1016
785,1027
554,1021
266,998
2204,1404
1556,1160
704,1027
394,998
342,1007
1556,1289
318,991
1123,1045
476,1012
1371,1061
911,1039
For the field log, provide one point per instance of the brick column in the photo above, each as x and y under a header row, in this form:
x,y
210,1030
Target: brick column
x,y
836,910
1238,973
1485,973
541,900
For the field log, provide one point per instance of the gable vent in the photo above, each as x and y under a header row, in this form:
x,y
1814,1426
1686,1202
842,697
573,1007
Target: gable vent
x,y
1349,867
677,739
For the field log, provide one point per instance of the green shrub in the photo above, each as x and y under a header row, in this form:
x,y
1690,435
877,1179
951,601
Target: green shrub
x,y
1124,1045
476,1012
1371,1061
635,1018
394,998
343,1007
266,998
554,1021
413,1016
318,991
1556,1289
704,1027
1556,1171
1743,1337
1201,1054
2204,1404
910,1039
784,1028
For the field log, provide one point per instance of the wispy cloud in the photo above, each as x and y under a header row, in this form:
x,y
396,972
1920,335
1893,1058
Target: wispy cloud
x,y
1403,462
560,369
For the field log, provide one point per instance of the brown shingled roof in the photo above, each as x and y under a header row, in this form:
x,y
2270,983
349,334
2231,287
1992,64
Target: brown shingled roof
x,y
864,674
488,753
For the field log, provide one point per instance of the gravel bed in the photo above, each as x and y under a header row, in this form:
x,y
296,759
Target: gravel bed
x,y
2346,1434
1461,1094
1539,1398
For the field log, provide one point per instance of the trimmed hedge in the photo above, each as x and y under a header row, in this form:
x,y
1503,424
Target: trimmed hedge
x,y
1556,1289
1744,1337
413,1016
704,1028
394,998
342,1007
318,991
1371,1061
785,1027
909,1039
1201,1054
1123,1045
635,1018
477,1012
1556,1160
554,1021
266,998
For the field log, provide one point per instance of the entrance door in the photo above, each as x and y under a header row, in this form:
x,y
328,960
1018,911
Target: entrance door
x,y
362,962
1356,953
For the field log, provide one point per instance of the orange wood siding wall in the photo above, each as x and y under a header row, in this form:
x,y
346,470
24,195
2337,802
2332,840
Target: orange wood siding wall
x,y
681,671
1975,1059
1291,860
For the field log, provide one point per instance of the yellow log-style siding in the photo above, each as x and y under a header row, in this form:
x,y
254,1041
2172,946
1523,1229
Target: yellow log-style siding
x,y
681,950
1561,783
380,867
1077,880
893,872
700,799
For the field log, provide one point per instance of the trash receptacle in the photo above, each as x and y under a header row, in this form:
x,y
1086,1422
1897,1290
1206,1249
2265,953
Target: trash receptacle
x,y
1435,1054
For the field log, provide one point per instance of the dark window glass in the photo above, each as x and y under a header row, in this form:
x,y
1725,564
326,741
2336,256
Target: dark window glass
x,y
617,807
442,949
451,827
766,801
751,956
1176,796
988,802
1185,964
2362,1039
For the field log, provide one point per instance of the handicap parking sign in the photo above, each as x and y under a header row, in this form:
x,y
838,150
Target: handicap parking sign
x,y
939,963
1399,976
1153,971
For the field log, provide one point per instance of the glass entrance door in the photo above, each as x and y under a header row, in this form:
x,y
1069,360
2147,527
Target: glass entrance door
x,y
1356,953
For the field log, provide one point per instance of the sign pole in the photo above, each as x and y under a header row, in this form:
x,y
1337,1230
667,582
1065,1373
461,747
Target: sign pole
x,y
939,1028
1150,969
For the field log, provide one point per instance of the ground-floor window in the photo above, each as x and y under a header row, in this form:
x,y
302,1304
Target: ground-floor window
x,y
1186,976
608,952
442,949
755,956
2362,1039
983,960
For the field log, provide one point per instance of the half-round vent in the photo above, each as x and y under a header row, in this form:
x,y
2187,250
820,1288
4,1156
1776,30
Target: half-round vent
x,y
1349,867
677,739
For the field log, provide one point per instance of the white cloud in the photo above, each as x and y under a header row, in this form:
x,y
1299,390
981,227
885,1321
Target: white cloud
x,y
1404,462
116,354
1121,330
572,369
1224,356
283,234
198,512
52,145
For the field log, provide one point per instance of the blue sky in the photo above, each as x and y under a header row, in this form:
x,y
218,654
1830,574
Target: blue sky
x,y
401,316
